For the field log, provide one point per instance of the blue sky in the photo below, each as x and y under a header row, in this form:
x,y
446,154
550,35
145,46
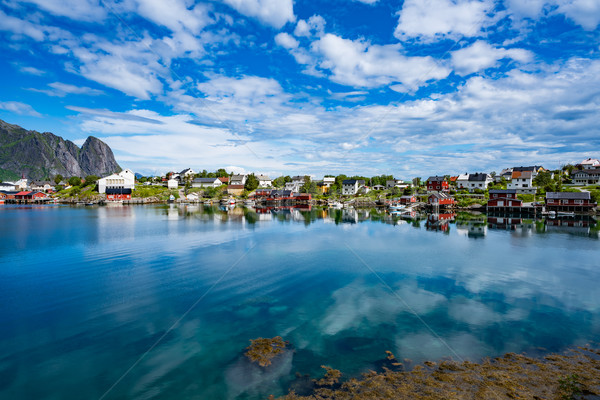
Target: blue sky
x,y
410,88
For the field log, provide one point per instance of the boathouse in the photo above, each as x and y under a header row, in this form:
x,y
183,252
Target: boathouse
x,y
504,201
569,201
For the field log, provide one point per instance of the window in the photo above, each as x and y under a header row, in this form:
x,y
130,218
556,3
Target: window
x,y
578,201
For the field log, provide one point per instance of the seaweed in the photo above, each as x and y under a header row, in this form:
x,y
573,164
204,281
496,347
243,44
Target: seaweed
x,y
263,350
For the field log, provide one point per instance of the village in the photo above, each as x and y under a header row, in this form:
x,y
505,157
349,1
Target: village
x,y
523,190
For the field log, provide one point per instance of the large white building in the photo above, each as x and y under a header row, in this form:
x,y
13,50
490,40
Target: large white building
x,y
264,181
123,180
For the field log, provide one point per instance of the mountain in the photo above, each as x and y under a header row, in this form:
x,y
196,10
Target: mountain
x,y
41,156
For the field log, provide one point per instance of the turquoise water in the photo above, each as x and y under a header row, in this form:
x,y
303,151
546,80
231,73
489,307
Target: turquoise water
x,y
89,296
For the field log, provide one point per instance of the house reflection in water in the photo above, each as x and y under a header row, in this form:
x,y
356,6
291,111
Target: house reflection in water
x,y
474,227
572,225
439,222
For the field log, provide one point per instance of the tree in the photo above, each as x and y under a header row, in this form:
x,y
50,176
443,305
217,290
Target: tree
x,y
58,179
74,181
90,180
221,173
251,183
416,182
308,186
281,181
544,180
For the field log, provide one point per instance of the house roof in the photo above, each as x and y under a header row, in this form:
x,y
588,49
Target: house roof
x,y
10,192
435,178
224,179
503,191
531,168
590,161
568,195
118,191
237,177
588,172
186,171
263,178
204,180
349,181
440,195
521,174
478,177
23,193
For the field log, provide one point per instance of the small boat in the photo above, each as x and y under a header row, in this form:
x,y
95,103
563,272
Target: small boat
x,y
565,214
335,204
249,203
207,202
396,207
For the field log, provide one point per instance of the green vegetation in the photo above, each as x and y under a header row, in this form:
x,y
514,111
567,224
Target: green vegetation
x,y
263,350
526,198
251,183
6,175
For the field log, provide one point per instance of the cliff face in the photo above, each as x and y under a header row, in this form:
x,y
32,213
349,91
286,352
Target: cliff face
x,y
41,156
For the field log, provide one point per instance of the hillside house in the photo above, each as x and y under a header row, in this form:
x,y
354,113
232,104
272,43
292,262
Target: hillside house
x,y
586,177
437,184
206,182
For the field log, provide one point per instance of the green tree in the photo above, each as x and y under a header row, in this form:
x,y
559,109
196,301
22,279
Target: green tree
x,y
251,183
58,179
308,186
221,173
544,180
74,181
90,180
281,181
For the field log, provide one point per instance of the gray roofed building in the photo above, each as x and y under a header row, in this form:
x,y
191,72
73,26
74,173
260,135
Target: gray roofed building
x,y
568,195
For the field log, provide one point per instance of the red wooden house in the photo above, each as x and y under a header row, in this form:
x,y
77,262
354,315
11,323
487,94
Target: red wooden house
x,y
440,199
28,195
504,200
118,194
408,199
437,184
569,201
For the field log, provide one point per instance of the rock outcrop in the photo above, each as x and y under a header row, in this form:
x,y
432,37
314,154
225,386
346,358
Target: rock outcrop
x,y
41,156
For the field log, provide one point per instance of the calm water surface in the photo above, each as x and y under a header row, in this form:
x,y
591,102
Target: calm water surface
x,y
86,292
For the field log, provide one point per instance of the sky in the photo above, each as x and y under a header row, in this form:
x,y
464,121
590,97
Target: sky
x,y
409,88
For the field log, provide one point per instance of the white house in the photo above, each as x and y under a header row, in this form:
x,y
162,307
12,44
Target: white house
x,y
172,184
474,181
206,182
350,187
238,180
187,173
123,180
590,163
399,183
295,184
21,184
586,177
522,182
462,182
264,181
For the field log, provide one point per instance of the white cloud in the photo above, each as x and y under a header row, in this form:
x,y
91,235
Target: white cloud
x,y
314,26
32,71
359,64
246,89
275,13
481,55
367,1
175,14
583,12
433,19
60,89
80,10
286,40
19,108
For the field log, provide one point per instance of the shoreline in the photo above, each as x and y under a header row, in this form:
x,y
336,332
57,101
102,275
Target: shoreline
x,y
573,374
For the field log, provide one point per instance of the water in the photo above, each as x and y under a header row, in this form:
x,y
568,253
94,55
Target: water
x,y
86,292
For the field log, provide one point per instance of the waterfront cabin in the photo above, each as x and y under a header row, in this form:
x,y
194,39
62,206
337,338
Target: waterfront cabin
x,y
504,201
123,180
408,199
440,199
437,184
118,194
569,201
30,195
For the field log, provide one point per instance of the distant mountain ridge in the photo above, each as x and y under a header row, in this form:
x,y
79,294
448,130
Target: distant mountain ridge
x,y
41,156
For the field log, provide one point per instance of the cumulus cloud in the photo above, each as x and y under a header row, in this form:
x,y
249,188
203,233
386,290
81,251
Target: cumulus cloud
x,y
175,14
314,26
585,13
275,13
286,40
19,108
481,55
360,64
432,19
